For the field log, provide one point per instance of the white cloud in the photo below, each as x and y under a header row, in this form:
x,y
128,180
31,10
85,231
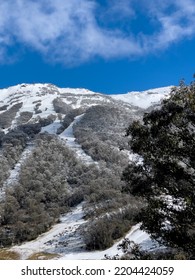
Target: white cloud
x,y
177,21
70,32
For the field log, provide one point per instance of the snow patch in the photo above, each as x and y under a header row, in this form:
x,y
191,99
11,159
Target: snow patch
x,y
51,128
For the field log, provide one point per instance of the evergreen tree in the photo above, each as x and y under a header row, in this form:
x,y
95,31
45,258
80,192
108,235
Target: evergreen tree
x,y
166,177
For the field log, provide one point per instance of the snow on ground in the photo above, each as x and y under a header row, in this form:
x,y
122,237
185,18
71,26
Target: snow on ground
x,y
29,94
76,91
51,128
65,240
68,136
135,234
144,99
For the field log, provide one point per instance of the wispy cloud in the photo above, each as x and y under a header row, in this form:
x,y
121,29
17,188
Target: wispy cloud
x,y
176,19
70,32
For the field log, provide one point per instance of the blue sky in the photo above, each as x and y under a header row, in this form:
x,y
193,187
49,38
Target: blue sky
x,y
108,46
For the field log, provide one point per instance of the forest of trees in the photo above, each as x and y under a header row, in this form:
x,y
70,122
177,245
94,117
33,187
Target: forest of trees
x,y
51,180
101,133
33,203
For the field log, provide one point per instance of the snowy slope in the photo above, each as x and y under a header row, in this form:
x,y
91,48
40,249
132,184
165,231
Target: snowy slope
x,y
144,99
30,95
44,94
64,239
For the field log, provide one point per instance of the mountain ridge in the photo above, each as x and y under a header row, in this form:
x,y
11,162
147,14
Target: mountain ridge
x,y
51,87
38,99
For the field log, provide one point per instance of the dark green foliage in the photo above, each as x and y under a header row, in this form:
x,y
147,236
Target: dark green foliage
x,y
166,141
139,179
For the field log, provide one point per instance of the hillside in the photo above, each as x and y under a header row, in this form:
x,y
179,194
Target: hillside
x,y
62,148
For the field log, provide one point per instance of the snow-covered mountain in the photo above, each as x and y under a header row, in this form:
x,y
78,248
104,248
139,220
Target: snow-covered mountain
x,y
25,103
44,94
91,126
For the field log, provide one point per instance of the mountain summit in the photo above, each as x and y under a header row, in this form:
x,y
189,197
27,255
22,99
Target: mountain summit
x,y
45,99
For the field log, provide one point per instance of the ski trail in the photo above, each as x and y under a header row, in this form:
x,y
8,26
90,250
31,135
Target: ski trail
x,y
65,239
68,136
14,173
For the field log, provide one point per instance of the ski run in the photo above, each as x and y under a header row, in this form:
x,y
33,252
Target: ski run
x,y
65,240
